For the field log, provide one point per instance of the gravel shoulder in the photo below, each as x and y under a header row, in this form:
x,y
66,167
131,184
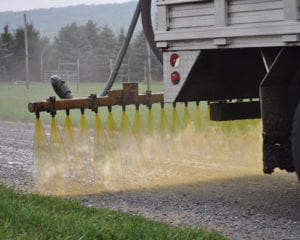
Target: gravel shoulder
x,y
258,207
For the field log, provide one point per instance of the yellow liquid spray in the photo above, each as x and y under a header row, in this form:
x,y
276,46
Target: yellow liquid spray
x,y
77,179
181,147
113,172
44,171
58,155
99,154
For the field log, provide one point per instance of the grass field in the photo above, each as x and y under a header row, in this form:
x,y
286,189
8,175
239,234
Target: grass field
x,y
36,217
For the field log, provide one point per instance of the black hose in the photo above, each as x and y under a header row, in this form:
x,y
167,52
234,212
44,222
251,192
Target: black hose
x,y
122,51
143,7
148,27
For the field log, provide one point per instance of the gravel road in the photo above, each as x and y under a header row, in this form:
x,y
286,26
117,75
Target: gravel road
x,y
258,207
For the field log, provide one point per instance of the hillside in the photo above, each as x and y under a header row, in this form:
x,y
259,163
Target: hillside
x,y
49,21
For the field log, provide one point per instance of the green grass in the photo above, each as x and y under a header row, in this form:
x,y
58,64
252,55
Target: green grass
x,y
37,217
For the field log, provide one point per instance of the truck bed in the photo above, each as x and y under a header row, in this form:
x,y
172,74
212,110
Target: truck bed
x,y
212,24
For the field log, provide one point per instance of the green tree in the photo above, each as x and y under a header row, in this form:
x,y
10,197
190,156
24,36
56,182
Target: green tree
x,y
12,62
34,41
124,72
107,51
108,43
36,44
91,31
93,63
71,42
7,40
6,43
121,38
94,48
138,60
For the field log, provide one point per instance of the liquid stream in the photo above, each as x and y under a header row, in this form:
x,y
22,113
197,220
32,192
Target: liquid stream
x,y
166,149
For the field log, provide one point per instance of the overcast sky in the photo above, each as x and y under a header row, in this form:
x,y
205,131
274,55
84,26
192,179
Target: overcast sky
x,y
20,5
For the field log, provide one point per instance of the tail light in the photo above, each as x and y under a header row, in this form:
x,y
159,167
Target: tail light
x,y
174,60
175,77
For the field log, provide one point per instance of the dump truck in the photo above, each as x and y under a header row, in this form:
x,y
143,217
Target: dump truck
x,y
241,56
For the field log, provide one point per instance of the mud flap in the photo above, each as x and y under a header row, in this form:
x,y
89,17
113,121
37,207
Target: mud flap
x,y
279,94
296,140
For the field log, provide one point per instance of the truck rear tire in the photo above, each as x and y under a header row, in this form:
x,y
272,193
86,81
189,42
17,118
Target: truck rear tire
x,y
296,140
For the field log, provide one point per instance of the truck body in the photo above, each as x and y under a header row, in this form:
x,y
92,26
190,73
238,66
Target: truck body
x,y
243,57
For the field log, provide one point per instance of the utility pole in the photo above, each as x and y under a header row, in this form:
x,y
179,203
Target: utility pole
x,y
26,52
149,67
128,68
78,74
42,66
111,65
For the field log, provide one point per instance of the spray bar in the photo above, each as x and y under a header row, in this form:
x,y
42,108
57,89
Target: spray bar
x,y
127,96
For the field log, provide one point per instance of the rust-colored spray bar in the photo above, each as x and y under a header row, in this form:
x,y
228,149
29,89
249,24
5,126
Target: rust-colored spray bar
x,y
129,95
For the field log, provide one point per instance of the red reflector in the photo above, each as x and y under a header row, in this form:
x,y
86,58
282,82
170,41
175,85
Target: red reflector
x,y
174,60
175,78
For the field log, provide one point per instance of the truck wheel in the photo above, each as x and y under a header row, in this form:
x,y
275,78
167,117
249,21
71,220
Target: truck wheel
x,y
296,140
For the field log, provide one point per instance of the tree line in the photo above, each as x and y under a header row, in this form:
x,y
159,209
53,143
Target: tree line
x,y
93,48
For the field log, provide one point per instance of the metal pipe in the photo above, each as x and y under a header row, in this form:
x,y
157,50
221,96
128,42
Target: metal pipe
x,y
148,27
129,95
